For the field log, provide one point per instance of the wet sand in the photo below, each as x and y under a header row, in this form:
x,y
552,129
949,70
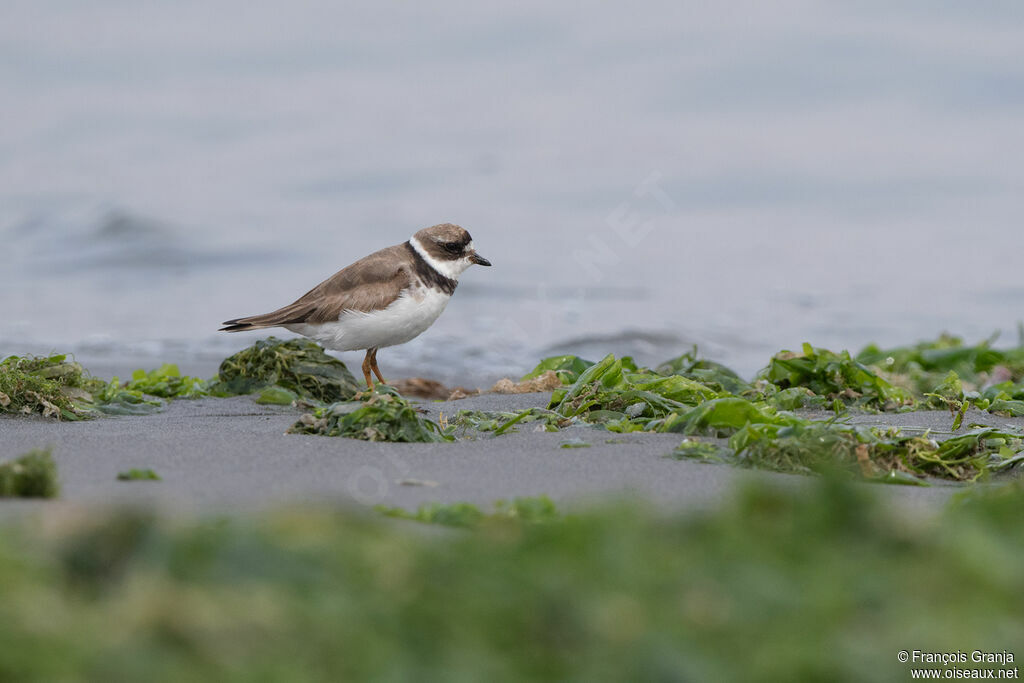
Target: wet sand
x,y
233,455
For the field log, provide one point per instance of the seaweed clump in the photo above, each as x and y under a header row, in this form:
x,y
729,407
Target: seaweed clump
x,y
142,393
926,365
33,475
621,396
53,386
695,397
297,365
43,385
836,377
950,373
884,455
385,416
567,368
707,372
167,382
500,422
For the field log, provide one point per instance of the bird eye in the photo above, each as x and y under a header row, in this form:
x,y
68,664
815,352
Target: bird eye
x,y
452,247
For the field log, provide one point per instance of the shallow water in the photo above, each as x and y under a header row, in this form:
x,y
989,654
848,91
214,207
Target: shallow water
x,y
644,179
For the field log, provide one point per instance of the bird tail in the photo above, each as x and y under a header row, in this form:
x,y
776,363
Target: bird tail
x,y
289,315
242,324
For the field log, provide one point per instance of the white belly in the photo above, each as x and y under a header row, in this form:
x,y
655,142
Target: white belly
x,y
405,319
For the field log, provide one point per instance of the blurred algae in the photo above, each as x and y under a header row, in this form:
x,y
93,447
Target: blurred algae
x,y
925,365
276,396
809,582
33,475
531,510
138,475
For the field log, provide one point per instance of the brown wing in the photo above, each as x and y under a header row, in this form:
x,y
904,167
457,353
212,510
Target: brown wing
x,y
370,283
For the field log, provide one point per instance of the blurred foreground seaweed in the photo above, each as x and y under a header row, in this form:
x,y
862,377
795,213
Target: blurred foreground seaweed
x,y
812,582
33,475
533,510
136,474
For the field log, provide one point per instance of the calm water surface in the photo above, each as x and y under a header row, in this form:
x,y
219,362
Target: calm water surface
x,y
643,179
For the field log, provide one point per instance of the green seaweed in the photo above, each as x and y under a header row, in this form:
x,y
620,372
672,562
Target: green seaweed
x,y
114,399
138,475
54,386
805,446
947,353
384,416
1007,407
835,376
707,372
568,368
1005,390
691,449
949,392
922,366
298,365
1003,398
465,515
500,422
692,396
948,373
277,396
795,398
531,510
167,382
725,416
43,385
804,583
33,475
612,390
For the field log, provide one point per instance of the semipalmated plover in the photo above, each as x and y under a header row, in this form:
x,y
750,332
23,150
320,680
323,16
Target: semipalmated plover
x,y
384,299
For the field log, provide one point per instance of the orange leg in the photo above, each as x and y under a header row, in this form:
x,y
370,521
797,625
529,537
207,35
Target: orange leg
x,y
367,367
373,366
